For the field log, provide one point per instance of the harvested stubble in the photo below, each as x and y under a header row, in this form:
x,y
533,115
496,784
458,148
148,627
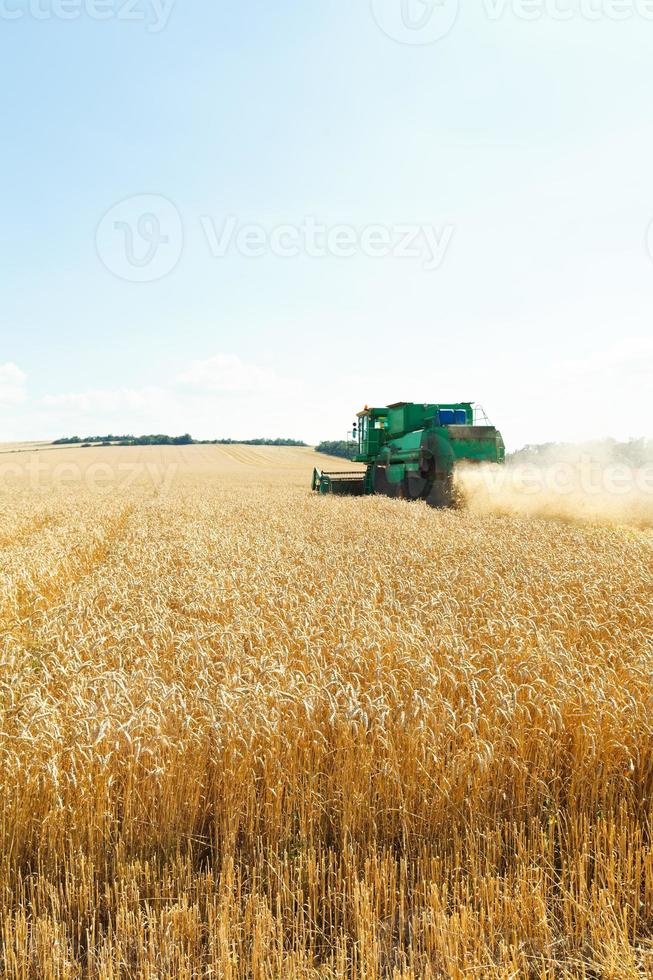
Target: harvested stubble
x,y
251,733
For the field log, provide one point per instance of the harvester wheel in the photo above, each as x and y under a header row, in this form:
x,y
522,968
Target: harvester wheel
x,y
416,486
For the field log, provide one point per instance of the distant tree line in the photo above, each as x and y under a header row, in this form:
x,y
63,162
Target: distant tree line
x,y
163,440
251,442
339,447
111,440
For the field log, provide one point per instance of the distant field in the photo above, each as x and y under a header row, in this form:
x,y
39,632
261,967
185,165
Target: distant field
x,y
14,447
153,466
250,732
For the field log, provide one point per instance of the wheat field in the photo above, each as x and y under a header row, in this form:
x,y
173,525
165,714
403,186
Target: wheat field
x,y
250,732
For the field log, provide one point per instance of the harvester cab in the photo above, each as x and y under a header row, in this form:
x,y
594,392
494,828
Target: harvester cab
x,y
410,450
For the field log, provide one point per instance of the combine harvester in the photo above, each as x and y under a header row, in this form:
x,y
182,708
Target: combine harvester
x,y
410,451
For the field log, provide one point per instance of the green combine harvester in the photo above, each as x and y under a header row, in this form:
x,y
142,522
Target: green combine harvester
x,y
410,451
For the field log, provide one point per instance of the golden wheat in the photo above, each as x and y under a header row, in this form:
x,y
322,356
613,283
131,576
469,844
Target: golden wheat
x,y
249,732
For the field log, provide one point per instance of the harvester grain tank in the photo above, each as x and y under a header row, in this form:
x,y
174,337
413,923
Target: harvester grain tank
x,y
410,450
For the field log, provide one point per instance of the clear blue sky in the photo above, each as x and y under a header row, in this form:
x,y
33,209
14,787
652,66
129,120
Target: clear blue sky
x,y
524,145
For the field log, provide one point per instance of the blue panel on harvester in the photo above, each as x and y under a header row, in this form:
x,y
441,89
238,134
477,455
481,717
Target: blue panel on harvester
x,y
460,417
447,416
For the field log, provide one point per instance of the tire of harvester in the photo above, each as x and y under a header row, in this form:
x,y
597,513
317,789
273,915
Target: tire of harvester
x,y
416,486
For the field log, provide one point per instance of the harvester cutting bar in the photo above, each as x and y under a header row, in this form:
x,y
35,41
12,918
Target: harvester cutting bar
x,y
346,484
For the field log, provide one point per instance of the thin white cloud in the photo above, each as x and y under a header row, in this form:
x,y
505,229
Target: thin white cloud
x,y
209,398
227,373
12,384
106,400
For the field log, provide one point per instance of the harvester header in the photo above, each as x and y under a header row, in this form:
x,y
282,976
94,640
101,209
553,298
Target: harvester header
x,y
410,450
